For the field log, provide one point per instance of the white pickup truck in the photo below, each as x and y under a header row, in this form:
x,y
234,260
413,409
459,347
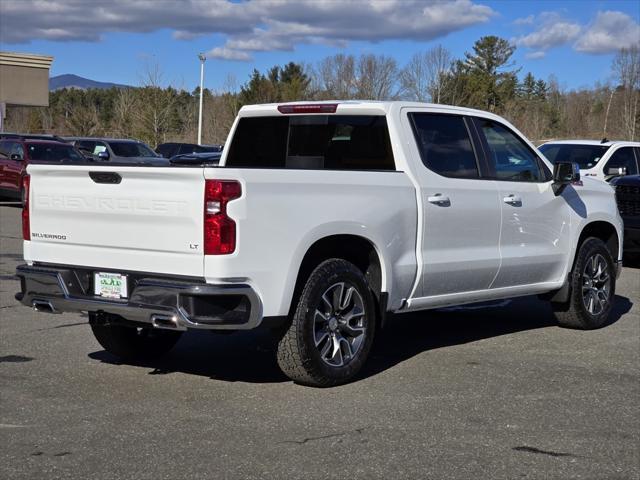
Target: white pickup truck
x,y
320,219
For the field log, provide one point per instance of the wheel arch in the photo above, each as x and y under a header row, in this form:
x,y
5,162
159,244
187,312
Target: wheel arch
x,y
603,230
360,251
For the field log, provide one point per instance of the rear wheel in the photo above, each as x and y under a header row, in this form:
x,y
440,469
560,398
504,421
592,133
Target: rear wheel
x,y
592,284
131,343
332,328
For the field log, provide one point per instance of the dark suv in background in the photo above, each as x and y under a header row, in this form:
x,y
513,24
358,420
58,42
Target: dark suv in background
x,y
628,198
168,150
16,152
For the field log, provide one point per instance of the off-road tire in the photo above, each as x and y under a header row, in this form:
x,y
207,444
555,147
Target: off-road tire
x,y
297,355
574,312
131,343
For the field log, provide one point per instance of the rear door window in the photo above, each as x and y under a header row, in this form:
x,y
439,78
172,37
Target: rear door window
x,y
167,150
187,148
130,149
330,142
622,158
87,145
445,144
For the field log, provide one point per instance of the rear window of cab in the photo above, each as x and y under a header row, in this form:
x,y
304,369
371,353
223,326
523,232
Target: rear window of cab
x,y
312,142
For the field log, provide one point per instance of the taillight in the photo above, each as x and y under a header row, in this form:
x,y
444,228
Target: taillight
x,y
309,108
219,229
26,224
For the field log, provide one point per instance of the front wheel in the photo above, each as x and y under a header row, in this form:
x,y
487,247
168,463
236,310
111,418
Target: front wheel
x,y
592,284
332,328
131,343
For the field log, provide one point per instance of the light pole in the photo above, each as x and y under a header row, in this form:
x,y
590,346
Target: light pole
x,y
202,58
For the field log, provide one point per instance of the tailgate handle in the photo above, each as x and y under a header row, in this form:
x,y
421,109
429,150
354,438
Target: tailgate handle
x,y
105,177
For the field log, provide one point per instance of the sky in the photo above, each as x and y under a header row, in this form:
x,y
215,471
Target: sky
x,y
116,40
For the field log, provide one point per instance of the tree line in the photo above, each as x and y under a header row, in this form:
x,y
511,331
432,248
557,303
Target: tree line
x,y
486,77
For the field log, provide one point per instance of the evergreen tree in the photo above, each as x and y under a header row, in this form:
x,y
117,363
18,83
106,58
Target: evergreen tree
x,y
540,90
486,75
528,87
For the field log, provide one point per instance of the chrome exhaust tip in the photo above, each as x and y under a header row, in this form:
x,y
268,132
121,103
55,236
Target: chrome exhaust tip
x,y
169,322
43,306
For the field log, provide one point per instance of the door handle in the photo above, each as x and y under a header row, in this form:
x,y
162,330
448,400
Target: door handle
x,y
512,200
439,199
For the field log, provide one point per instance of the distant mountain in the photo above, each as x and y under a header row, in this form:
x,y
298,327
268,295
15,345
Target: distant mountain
x,y
74,81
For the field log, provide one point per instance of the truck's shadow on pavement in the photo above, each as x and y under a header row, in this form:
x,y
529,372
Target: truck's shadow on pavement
x,y
250,356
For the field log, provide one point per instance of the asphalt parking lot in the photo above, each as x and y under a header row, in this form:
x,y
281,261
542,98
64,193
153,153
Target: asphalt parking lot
x,y
493,391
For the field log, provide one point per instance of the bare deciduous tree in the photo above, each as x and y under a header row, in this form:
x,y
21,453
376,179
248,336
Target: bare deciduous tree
x,y
626,67
123,110
377,77
155,106
336,76
83,120
424,77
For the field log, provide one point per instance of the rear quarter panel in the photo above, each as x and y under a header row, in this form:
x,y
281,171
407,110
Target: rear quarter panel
x,y
281,213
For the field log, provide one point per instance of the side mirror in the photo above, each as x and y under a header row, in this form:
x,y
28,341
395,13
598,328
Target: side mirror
x,y
564,173
103,155
16,156
617,172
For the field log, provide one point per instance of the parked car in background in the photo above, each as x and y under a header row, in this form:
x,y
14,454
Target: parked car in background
x,y
17,152
628,199
207,158
604,160
118,150
170,150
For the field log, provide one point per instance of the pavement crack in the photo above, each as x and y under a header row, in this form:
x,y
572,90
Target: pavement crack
x,y
542,452
324,437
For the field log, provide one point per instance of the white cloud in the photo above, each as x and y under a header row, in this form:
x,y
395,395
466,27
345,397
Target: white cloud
x,y
610,31
536,55
250,26
228,54
336,23
89,20
528,20
552,32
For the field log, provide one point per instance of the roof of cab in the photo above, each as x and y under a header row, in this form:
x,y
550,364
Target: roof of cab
x,y
363,107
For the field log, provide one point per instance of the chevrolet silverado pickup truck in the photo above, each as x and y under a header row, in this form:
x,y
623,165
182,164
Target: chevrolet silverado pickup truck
x,y
321,219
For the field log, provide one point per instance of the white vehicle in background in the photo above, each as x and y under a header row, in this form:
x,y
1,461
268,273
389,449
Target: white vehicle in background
x,y
603,160
320,220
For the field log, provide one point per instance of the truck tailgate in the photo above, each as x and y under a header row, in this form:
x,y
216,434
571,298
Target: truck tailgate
x,y
145,219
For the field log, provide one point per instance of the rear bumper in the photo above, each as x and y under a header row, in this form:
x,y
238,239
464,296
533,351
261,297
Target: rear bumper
x,y
162,302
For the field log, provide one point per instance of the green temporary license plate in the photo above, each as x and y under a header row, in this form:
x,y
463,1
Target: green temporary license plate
x,y
110,285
